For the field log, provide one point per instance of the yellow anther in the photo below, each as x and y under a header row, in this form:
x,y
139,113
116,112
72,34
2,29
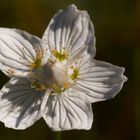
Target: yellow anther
x,y
66,85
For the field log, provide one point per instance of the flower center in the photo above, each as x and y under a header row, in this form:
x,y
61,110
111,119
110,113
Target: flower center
x,y
54,76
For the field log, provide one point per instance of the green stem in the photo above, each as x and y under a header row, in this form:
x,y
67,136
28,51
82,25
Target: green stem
x,y
58,136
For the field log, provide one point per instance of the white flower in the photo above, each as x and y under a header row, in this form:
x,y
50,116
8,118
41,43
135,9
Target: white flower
x,y
55,77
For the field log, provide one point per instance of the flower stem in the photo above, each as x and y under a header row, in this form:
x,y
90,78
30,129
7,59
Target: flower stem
x,y
58,136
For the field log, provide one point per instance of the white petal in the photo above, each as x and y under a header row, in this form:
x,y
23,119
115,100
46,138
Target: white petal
x,y
68,111
19,104
17,51
71,29
100,80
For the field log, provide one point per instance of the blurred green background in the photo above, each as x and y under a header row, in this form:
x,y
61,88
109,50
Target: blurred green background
x,y
117,26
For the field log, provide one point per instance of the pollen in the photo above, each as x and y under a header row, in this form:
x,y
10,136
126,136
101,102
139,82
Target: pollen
x,y
11,71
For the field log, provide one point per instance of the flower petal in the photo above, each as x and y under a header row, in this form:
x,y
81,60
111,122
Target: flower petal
x,y
99,80
71,30
19,104
17,51
68,111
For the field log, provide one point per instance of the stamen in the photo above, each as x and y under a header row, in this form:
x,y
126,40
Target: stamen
x,y
74,71
38,60
59,55
75,74
38,86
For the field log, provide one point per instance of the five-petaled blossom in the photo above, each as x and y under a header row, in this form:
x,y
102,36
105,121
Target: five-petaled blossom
x,y
55,77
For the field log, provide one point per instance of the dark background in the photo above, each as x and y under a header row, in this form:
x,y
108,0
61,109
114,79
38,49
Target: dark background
x,y
117,26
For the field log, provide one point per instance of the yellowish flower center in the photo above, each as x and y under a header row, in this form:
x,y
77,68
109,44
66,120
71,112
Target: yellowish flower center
x,y
54,76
